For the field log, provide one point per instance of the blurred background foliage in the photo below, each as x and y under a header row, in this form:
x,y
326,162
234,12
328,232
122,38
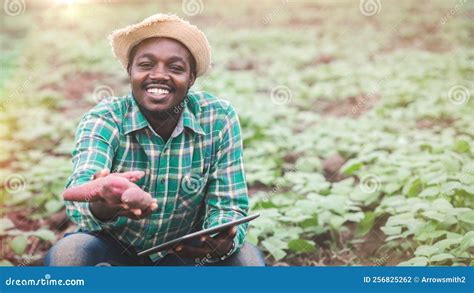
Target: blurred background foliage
x,y
357,120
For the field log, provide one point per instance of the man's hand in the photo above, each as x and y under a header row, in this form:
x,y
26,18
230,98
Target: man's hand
x,y
212,247
109,211
112,187
103,186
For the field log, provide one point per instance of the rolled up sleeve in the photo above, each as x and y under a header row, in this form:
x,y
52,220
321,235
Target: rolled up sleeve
x,y
96,144
227,195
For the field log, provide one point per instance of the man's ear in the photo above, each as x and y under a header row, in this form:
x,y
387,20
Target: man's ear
x,y
192,79
129,69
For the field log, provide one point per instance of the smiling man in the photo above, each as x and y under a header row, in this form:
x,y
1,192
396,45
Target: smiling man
x,y
182,148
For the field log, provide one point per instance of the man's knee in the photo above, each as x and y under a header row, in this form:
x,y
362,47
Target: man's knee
x,y
78,249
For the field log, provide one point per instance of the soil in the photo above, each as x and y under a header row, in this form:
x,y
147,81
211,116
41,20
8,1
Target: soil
x,y
428,123
370,250
58,223
353,106
331,167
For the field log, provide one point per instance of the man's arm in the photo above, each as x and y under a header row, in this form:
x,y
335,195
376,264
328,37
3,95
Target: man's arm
x,y
227,194
227,197
97,139
113,194
95,199
94,190
91,192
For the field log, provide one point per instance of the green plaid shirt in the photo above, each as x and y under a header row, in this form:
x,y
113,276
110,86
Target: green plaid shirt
x,y
197,176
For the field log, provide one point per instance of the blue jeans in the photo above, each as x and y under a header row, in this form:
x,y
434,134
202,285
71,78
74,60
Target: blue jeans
x,y
100,248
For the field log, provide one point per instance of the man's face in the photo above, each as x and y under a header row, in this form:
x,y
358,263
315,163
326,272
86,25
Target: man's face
x,y
160,74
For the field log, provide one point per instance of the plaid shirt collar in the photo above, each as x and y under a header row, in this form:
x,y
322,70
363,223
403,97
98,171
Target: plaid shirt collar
x,y
135,120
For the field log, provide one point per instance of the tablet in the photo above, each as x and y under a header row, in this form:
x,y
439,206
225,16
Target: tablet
x,y
212,230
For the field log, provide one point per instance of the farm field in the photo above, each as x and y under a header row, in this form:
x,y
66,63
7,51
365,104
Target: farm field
x,y
358,121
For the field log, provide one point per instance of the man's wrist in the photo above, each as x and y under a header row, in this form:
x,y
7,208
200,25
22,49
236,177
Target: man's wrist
x,y
228,253
223,257
102,211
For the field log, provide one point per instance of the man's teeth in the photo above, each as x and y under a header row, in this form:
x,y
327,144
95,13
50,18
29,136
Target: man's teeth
x,y
157,91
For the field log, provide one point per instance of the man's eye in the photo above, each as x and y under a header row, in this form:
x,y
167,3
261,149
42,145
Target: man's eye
x,y
176,68
145,64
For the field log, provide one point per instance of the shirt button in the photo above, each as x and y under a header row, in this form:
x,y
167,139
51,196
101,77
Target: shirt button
x,y
162,179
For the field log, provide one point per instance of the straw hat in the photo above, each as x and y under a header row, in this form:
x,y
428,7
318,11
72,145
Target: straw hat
x,y
162,25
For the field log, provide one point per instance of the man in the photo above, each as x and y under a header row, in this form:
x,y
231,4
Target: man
x,y
182,148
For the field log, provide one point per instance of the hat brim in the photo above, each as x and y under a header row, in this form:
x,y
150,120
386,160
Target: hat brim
x,y
162,25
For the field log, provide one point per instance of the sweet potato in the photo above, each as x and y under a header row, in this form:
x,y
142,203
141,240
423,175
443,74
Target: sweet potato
x,y
109,187
135,198
102,188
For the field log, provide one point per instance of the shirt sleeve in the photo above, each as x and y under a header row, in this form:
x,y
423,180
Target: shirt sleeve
x,y
97,139
227,195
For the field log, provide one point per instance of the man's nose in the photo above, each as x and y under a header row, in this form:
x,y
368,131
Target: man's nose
x,y
159,73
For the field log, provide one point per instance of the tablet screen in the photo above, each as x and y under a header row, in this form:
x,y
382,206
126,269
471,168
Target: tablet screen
x,y
212,230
